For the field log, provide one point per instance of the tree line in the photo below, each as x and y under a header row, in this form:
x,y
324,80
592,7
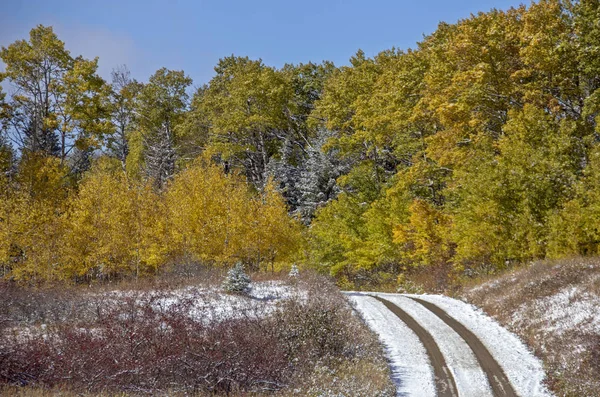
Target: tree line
x,y
472,152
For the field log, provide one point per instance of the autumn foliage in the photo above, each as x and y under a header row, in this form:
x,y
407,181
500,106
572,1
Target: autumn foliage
x,y
112,226
472,152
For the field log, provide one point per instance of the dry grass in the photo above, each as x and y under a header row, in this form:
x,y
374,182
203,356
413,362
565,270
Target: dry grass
x,y
554,306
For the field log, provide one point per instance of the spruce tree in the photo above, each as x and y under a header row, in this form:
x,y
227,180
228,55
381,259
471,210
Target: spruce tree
x,y
237,281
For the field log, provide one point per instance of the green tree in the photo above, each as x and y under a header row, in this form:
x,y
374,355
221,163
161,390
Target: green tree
x,y
506,202
123,95
60,102
248,106
161,107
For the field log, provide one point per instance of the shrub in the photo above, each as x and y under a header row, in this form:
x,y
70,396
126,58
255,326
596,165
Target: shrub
x,y
157,342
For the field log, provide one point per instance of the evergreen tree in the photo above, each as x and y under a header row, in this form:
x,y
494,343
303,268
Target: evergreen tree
x,y
294,271
317,183
161,107
236,281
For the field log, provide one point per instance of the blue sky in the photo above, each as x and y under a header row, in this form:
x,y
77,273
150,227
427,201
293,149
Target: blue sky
x,y
193,35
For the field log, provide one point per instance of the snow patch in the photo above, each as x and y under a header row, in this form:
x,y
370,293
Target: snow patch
x,y
212,304
569,309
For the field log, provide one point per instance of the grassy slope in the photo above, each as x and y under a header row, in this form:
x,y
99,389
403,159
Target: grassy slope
x,y
554,306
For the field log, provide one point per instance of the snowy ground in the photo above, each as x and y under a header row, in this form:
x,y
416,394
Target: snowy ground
x,y
208,304
555,307
213,304
410,364
571,308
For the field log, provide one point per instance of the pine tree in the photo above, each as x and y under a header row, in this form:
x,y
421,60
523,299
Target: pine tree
x,y
317,182
294,272
237,281
161,107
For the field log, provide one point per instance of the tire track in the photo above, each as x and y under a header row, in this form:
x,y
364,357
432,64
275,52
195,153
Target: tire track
x,y
469,377
407,358
501,387
444,382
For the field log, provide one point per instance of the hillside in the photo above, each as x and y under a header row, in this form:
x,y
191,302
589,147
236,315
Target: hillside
x,y
555,307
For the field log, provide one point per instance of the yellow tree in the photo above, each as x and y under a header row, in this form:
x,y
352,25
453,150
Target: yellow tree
x,y
469,84
35,224
115,227
6,222
274,236
207,210
424,239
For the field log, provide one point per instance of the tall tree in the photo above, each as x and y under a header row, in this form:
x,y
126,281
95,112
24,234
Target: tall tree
x,y
123,96
59,102
248,105
161,107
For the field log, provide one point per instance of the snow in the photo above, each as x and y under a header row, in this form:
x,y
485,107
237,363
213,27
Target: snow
x,y
215,305
410,365
524,371
470,379
569,309
411,370
210,304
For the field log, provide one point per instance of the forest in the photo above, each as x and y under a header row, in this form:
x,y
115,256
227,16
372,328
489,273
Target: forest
x,y
475,151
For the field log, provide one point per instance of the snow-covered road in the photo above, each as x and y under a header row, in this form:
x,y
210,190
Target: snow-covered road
x,y
431,337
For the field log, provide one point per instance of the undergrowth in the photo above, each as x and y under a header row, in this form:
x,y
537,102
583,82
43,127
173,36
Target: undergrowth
x,y
56,341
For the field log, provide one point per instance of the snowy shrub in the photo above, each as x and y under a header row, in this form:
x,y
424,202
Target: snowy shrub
x,y
145,342
236,281
139,347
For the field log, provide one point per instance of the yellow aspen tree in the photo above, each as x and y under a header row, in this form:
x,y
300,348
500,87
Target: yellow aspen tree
x,y
206,208
151,237
115,227
100,225
424,238
37,223
7,211
274,235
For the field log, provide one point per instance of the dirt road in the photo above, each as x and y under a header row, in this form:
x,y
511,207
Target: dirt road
x,y
467,355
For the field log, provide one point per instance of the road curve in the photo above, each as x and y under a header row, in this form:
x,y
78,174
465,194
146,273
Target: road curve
x,y
459,362
497,379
